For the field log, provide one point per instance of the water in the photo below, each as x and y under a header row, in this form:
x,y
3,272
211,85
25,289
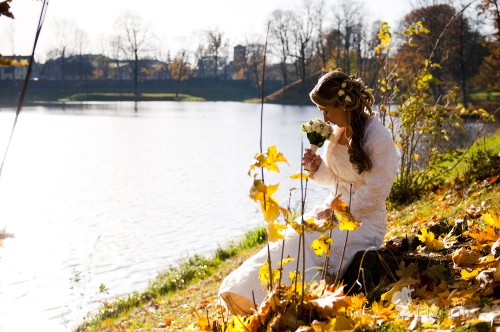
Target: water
x,y
111,193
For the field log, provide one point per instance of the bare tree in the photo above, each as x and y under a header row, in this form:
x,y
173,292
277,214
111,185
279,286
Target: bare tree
x,y
135,37
303,33
347,15
280,33
215,37
254,60
80,44
64,32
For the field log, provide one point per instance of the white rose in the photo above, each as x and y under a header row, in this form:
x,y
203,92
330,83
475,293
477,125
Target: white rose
x,y
348,99
344,84
341,93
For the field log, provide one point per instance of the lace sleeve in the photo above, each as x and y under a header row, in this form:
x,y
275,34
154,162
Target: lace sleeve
x,y
379,180
324,176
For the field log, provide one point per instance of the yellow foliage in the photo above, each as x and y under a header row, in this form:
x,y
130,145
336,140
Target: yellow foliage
x,y
344,217
298,176
274,231
469,275
268,159
428,239
492,219
321,245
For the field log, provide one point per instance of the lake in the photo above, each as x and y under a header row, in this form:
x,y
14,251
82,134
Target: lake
x,y
111,193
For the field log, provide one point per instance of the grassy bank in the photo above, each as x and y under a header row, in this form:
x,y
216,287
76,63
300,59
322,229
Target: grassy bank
x,y
131,97
174,289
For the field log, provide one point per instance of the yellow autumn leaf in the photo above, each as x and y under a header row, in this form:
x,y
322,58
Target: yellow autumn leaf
x,y
428,239
407,281
299,176
270,208
268,160
496,274
240,324
204,324
469,275
342,323
321,245
347,222
274,231
492,219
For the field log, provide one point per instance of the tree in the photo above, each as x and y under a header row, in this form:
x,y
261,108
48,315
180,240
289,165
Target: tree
x,y
489,73
254,61
64,32
215,37
80,43
180,68
458,51
135,38
303,27
280,30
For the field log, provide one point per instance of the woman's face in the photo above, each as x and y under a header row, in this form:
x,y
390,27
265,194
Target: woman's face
x,y
336,115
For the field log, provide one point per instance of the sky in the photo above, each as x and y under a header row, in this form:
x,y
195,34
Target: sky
x,y
175,23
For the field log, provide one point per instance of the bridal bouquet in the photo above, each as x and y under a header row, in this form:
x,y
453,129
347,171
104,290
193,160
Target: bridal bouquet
x,y
317,133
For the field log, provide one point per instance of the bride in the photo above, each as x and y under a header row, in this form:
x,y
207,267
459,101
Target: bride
x,y
359,163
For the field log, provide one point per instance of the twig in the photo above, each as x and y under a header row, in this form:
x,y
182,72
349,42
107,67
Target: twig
x,y
26,79
346,239
446,27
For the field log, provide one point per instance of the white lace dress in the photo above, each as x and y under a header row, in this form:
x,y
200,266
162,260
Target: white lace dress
x,y
367,197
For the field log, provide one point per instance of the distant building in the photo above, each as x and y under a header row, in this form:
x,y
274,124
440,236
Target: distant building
x,y
239,55
18,72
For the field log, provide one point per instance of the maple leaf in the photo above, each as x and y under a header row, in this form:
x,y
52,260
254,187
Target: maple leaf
x,y
5,9
268,160
469,275
326,302
239,324
407,281
204,324
406,271
492,219
297,176
428,239
321,245
344,217
275,231
464,257
486,236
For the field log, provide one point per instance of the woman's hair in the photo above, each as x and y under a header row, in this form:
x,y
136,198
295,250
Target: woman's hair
x,y
337,88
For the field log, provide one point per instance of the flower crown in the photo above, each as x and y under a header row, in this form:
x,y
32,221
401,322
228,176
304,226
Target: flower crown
x,y
350,88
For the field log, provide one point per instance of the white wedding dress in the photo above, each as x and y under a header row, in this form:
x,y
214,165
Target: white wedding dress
x,y
367,197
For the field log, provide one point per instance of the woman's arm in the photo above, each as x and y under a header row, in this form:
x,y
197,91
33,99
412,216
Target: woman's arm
x,y
324,175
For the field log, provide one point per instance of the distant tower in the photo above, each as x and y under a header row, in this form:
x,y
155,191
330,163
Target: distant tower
x,y
239,54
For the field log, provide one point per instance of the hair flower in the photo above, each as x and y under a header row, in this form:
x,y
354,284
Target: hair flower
x,y
348,99
344,84
341,93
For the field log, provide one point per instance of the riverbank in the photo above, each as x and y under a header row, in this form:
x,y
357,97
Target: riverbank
x,y
177,293
460,213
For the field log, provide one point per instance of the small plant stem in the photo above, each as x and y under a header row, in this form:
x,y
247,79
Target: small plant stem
x,y
346,239
20,102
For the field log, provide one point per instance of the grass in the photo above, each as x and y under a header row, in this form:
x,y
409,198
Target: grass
x,y
483,96
171,282
491,143
130,96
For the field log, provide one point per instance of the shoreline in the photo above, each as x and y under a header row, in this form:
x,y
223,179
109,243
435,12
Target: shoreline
x,y
178,278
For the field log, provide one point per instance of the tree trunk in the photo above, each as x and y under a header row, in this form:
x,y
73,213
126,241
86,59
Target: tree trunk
x,y
136,74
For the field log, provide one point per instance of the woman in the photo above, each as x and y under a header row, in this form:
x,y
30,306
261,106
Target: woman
x,y
359,163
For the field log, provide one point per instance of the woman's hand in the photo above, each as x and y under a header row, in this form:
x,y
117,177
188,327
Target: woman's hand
x,y
314,159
